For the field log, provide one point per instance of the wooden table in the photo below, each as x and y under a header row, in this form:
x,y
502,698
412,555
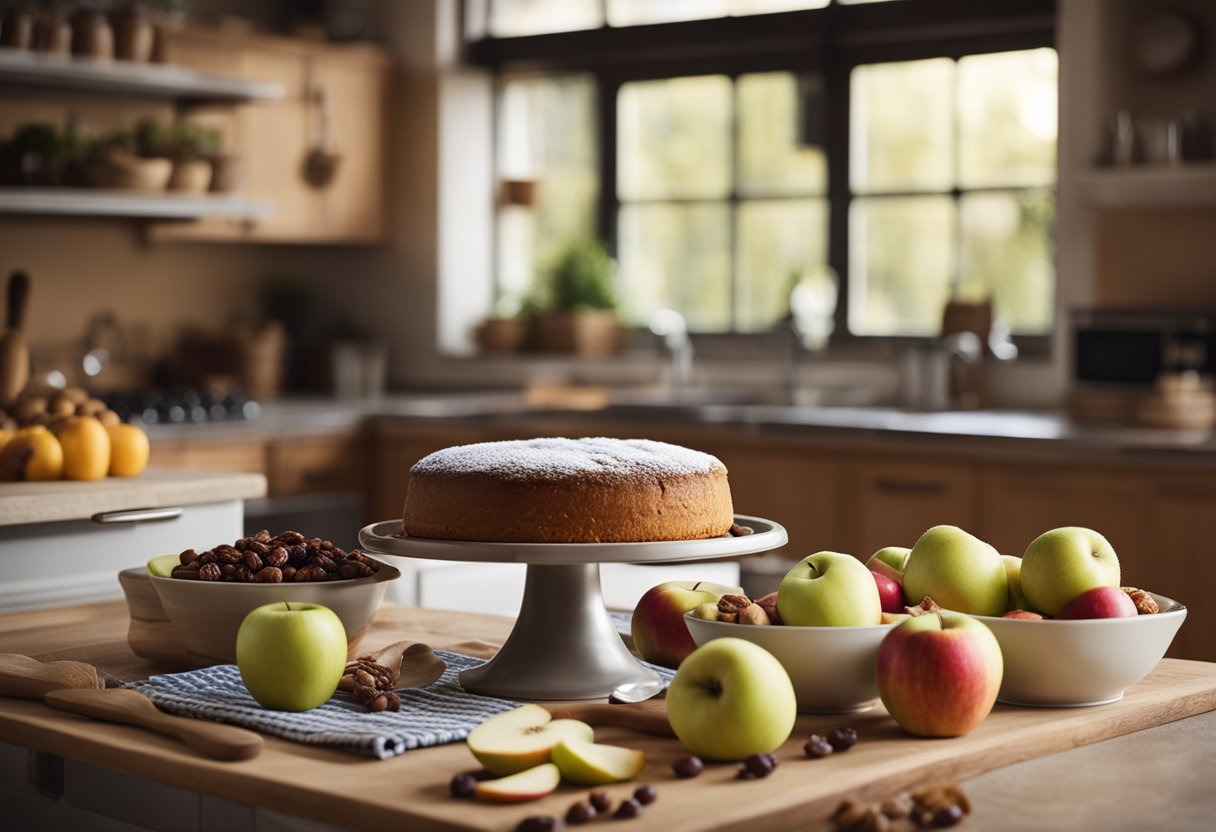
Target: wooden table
x,y
1158,776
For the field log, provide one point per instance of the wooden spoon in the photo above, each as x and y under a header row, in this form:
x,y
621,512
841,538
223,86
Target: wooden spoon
x,y
646,718
14,353
220,742
29,678
411,664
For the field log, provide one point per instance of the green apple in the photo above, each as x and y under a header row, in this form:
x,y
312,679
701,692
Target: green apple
x,y
958,571
731,698
162,566
529,784
594,764
291,655
829,589
658,629
1013,572
706,612
890,561
522,738
1061,564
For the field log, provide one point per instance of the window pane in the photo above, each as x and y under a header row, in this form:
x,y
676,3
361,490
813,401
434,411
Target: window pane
x,y
509,18
901,128
678,257
1007,119
779,242
770,160
674,138
635,12
546,132
1008,253
900,264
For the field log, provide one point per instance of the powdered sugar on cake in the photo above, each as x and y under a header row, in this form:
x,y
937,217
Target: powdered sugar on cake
x,y
550,459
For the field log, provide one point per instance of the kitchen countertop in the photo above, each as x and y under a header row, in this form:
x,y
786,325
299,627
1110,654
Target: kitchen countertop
x,y
44,502
1148,779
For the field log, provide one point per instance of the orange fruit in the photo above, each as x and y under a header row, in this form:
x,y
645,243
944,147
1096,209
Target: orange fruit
x,y
128,450
33,454
86,448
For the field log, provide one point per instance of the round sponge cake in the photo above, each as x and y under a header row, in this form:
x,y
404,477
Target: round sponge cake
x,y
568,491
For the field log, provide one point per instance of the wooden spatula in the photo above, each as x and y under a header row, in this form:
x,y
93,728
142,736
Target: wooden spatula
x,y
14,354
220,742
29,678
648,718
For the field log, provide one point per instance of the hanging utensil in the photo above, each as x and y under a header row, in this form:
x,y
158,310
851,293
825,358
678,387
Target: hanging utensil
x,y
14,353
321,163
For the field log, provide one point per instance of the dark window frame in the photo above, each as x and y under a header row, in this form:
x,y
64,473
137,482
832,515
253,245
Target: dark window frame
x,y
830,41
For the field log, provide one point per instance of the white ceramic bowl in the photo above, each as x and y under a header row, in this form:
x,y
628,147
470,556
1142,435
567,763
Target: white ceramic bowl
x,y
207,614
1084,662
832,668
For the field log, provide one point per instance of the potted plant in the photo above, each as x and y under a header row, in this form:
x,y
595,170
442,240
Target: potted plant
x,y
504,329
579,312
191,147
132,159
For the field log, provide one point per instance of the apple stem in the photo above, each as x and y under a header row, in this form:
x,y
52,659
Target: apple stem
x,y
697,584
287,605
814,571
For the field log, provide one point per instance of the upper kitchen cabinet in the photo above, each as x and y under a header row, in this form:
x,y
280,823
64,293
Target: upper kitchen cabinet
x,y
317,154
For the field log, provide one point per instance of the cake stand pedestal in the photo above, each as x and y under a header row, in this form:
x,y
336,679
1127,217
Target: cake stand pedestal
x,y
564,646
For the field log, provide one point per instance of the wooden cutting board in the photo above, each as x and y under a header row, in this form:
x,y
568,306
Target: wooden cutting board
x,y
411,791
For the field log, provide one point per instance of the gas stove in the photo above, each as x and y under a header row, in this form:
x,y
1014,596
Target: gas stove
x,y
182,406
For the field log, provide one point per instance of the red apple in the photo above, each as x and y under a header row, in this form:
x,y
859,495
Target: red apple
x,y
1099,602
1024,614
658,629
938,674
890,593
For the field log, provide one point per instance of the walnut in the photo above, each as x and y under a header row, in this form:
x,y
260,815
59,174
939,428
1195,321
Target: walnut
x,y
754,614
1145,605
729,607
926,605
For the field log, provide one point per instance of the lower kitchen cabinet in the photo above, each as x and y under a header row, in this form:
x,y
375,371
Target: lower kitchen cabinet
x,y
894,499
1020,502
1179,557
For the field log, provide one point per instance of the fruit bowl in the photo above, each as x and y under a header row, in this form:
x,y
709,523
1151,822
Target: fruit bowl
x,y
208,614
1073,663
832,668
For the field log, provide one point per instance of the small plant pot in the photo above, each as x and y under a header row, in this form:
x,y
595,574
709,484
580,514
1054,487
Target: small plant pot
x,y
227,173
586,332
193,177
500,335
522,192
126,172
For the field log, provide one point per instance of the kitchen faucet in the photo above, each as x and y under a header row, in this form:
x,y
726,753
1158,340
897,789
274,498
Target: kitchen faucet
x,y
672,327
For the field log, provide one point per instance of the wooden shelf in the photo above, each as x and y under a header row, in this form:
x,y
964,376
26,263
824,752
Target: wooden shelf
x,y
86,202
34,70
1181,186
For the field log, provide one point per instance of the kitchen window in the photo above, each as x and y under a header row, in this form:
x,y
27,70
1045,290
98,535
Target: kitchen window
x,y
907,147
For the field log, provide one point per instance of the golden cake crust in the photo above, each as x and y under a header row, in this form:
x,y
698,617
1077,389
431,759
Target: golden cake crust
x,y
552,490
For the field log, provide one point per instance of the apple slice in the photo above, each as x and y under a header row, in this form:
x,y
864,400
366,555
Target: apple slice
x,y
162,566
593,764
521,739
530,784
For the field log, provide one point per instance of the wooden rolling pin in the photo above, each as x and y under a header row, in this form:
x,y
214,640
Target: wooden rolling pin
x,y
14,353
79,688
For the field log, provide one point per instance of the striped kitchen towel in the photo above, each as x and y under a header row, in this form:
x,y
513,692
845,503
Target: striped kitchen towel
x,y
440,713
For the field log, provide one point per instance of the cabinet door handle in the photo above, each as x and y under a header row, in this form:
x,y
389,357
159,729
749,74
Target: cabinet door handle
x,y
138,515
910,486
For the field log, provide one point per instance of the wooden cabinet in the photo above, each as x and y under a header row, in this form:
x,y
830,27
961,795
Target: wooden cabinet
x,y
1179,558
347,87
396,448
317,464
801,491
1020,502
894,499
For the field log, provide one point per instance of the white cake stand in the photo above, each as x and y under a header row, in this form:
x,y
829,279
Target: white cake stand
x,y
564,646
